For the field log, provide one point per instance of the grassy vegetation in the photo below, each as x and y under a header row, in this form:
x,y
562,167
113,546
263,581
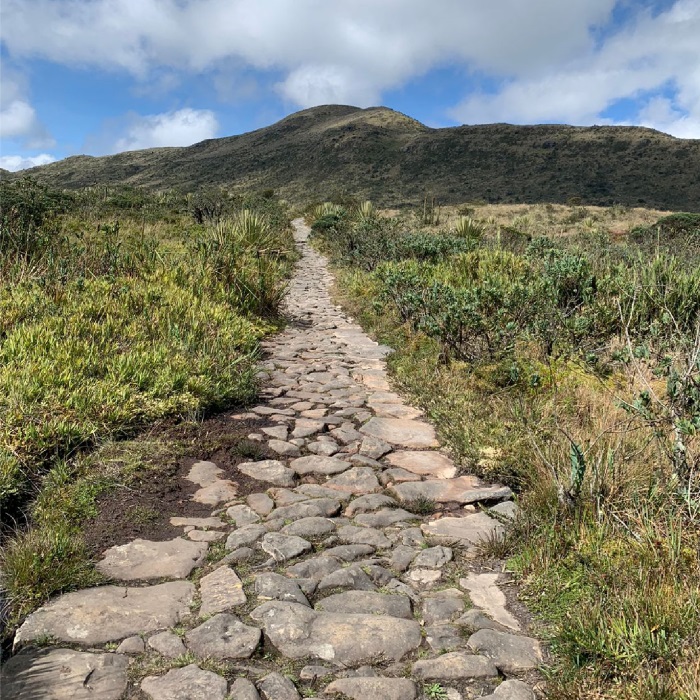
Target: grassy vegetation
x,y
117,308
558,350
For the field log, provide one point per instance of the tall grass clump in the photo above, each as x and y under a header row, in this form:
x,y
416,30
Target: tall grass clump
x,y
569,368
117,310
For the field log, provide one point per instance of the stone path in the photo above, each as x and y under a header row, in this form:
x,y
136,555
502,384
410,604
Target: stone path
x,y
335,579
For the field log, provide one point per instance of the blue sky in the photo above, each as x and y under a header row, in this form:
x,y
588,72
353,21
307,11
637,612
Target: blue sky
x,y
103,76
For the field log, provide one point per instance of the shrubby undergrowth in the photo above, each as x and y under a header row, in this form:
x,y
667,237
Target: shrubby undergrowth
x,y
569,367
117,308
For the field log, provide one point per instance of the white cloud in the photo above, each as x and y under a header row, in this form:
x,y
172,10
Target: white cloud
x,y
345,50
550,60
15,163
181,128
656,54
18,119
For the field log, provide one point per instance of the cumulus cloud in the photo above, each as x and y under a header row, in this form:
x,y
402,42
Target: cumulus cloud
x,y
18,119
655,54
346,50
15,163
180,128
544,60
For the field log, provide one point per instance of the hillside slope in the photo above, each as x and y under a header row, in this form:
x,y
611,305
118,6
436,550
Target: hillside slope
x,y
393,159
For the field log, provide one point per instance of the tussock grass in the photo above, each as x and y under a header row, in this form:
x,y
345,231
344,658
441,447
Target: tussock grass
x,y
117,309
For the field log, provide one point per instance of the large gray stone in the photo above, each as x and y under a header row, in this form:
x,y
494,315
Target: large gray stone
x,y
373,688
223,637
433,557
284,547
469,531
485,594
462,489
358,480
275,686
368,504
453,666
431,464
385,517
243,689
352,577
271,586
367,602
221,590
298,632
309,527
271,471
64,674
318,464
512,690
242,515
167,644
401,431
352,534
143,559
109,613
245,536
511,653
314,508
188,683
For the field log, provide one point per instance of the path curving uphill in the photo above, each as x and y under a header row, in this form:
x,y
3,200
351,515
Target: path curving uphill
x,y
335,578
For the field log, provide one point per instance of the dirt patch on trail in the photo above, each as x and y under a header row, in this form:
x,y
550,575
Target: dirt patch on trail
x,y
157,490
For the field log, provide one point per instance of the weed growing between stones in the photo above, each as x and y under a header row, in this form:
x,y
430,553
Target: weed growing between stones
x,y
569,368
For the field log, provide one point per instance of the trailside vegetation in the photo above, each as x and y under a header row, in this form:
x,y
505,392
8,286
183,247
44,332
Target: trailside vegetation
x,y
118,308
566,365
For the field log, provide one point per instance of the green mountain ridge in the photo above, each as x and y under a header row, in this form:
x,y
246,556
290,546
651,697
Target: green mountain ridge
x,y
388,157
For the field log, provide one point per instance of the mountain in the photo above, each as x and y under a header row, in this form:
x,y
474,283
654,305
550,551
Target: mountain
x,y
385,156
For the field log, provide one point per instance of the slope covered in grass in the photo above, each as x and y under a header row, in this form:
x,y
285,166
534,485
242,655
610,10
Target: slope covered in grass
x,y
558,351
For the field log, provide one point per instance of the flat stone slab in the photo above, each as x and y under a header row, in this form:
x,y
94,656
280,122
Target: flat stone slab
x,y
188,683
401,431
143,559
298,632
370,688
367,602
309,527
485,594
219,492
318,464
223,637
271,471
204,473
64,674
358,480
511,653
512,690
221,590
275,686
453,666
394,410
284,547
198,522
368,504
167,644
109,613
271,586
470,530
461,489
432,464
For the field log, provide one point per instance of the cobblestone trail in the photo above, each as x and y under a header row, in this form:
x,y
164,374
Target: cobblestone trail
x,y
330,585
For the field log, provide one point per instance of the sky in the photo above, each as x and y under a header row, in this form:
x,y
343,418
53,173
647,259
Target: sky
x,y
103,76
